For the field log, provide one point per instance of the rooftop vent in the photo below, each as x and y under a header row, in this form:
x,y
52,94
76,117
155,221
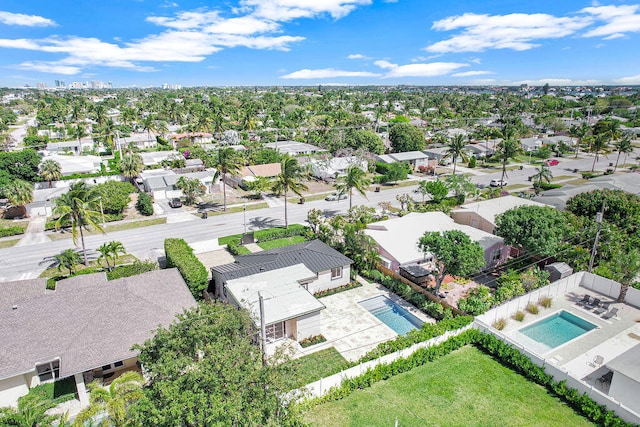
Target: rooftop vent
x,y
15,307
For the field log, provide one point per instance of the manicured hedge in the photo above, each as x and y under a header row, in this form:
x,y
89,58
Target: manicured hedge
x,y
12,231
138,267
280,232
144,204
180,255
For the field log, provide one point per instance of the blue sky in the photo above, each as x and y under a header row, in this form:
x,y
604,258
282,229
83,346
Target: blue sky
x,y
310,42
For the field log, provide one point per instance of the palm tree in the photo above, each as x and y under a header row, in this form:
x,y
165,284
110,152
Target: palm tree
x,y
455,149
68,259
623,145
599,144
542,173
579,132
131,165
422,189
105,253
289,178
507,149
115,400
78,131
191,188
116,249
78,207
50,170
356,179
19,193
226,161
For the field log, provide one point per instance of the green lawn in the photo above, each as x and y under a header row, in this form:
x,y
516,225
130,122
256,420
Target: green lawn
x,y
94,266
278,243
464,388
52,394
319,365
113,228
8,243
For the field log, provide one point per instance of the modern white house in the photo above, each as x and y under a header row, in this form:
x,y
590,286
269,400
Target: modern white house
x,y
397,241
335,167
530,145
294,148
286,278
482,215
414,158
70,165
85,329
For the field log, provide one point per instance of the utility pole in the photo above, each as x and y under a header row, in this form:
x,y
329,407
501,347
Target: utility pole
x,y
599,217
263,331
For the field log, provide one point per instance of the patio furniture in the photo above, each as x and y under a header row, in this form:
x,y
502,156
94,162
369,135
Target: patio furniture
x,y
595,303
611,313
605,379
597,361
586,300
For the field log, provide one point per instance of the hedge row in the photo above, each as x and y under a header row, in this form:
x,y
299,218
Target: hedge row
x,y
138,267
504,353
180,255
12,231
280,232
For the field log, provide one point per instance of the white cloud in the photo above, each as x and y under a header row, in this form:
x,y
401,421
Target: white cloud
x,y
45,67
516,31
431,69
472,73
613,36
327,73
631,80
287,10
476,61
9,18
357,56
617,20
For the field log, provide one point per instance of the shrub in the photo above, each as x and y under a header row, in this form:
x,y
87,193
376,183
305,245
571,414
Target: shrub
x,y
138,267
472,162
351,285
144,204
115,195
545,302
519,316
499,324
477,301
180,255
12,231
589,175
308,342
280,232
532,308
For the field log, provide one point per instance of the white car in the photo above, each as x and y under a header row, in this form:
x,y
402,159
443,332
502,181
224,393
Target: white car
x,y
498,183
336,196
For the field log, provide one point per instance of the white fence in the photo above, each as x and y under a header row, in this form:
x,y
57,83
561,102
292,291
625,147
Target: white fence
x,y
560,374
633,297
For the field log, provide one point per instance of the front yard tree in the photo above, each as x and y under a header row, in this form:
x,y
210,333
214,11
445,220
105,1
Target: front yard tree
x,y
191,188
456,150
355,178
453,253
543,173
68,259
205,369
438,190
19,193
131,165
290,178
507,149
406,137
538,229
50,170
79,208
460,185
226,162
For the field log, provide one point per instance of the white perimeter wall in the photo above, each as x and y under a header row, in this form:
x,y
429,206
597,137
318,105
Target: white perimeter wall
x,y
308,326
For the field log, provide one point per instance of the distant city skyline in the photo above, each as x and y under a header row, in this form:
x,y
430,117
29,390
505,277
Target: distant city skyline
x,y
327,42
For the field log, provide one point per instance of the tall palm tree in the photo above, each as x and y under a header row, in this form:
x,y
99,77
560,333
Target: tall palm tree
x,y
543,173
579,132
131,165
356,179
50,170
78,131
19,193
114,400
455,149
599,145
79,207
226,161
622,145
507,149
289,178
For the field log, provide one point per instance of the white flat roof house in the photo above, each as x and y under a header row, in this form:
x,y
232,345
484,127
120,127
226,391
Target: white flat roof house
x,y
335,167
482,215
397,239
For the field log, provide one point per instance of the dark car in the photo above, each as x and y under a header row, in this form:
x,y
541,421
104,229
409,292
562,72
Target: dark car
x,y
175,203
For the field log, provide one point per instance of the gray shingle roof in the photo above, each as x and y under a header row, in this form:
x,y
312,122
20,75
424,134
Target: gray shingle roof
x,y
20,290
315,255
91,325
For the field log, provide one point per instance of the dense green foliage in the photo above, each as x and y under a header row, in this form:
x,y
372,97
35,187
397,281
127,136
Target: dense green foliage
x,y
23,164
144,204
13,230
180,255
205,369
115,195
128,270
406,137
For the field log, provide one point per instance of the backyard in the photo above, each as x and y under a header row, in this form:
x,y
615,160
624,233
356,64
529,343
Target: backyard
x,y
465,387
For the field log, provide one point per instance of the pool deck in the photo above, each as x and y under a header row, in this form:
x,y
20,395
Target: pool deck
x,y
612,337
349,327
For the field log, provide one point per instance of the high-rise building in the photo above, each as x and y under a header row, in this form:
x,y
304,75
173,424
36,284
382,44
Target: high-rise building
x,y
42,85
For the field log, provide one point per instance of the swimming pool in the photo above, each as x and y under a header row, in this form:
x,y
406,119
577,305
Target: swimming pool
x,y
391,314
557,329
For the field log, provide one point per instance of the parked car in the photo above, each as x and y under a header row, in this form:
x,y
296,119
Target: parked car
x,y
175,203
336,196
498,183
551,162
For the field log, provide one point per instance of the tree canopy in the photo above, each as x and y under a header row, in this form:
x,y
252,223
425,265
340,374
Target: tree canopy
x,y
406,137
538,229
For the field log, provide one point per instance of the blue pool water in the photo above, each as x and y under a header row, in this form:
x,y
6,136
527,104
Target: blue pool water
x,y
557,329
391,314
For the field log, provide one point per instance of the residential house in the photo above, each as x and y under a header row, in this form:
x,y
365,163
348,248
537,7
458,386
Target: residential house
x,y
191,138
334,167
625,381
482,215
440,155
286,278
414,158
531,145
70,165
250,173
397,241
85,329
161,183
482,149
156,157
294,148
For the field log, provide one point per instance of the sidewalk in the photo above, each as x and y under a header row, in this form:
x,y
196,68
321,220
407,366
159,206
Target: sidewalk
x,y
34,234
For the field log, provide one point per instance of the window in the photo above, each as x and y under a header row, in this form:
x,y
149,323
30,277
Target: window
x,y
48,371
336,273
276,331
118,364
474,223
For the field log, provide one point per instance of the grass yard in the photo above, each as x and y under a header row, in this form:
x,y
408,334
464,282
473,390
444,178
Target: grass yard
x,y
319,365
464,388
278,243
95,266
8,243
111,228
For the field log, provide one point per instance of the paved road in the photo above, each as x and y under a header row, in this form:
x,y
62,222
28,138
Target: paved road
x,y
21,262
